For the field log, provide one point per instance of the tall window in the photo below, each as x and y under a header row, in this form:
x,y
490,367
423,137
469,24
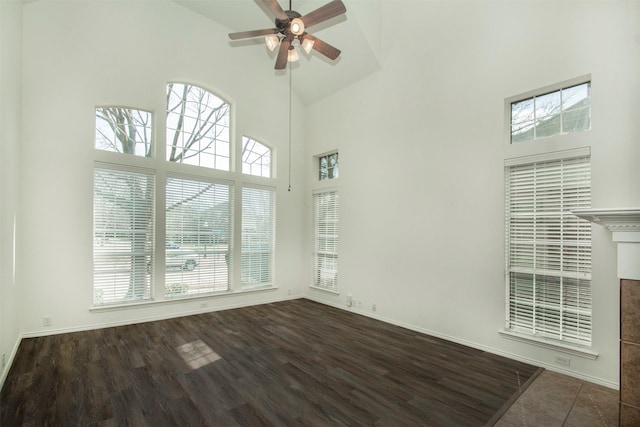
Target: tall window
x,y
199,216
258,231
199,213
256,158
123,223
548,249
561,111
197,127
326,228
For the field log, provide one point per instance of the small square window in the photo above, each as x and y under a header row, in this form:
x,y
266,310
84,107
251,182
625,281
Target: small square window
x,y
328,166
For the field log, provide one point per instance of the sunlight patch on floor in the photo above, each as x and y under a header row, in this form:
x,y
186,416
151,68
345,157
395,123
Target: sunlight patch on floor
x,y
197,354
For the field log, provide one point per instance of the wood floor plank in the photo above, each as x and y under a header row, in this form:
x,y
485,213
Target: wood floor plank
x,y
289,363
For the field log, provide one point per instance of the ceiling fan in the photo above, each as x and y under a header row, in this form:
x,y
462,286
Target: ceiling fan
x,y
291,25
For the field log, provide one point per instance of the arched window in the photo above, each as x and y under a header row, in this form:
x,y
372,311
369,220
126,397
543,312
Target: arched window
x,y
197,127
124,130
256,158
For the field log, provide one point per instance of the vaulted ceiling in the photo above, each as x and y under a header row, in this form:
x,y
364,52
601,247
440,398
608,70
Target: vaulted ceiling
x,y
356,34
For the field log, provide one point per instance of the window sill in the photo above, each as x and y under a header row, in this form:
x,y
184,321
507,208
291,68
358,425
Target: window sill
x,y
175,300
331,291
550,344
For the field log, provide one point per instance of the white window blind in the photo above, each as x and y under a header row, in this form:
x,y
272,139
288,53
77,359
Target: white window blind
x,y
199,224
258,226
326,228
123,223
548,250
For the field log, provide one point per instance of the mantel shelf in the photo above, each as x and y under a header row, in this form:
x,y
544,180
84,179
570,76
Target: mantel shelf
x,y
615,220
624,224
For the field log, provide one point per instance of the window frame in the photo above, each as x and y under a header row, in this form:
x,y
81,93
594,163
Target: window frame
x,y
566,84
162,168
215,155
318,167
244,140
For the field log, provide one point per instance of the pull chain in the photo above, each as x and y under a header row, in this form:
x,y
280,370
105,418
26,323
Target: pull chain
x,y
290,80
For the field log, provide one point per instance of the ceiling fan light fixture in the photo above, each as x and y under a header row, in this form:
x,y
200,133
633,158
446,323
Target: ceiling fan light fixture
x,y
272,42
296,26
307,45
292,55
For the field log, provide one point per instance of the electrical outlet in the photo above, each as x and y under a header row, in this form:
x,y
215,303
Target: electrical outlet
x,y
564,361
4,359
374,307
289,292
46,321
359,304
349,301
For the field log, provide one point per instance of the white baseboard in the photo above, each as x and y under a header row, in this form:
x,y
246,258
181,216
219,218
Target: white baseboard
x,y
477,346
9,361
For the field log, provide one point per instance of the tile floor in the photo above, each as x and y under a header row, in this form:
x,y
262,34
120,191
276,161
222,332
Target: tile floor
x,y
559,400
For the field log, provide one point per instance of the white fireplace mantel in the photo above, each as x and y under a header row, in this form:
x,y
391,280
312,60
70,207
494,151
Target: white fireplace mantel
x,y
624,224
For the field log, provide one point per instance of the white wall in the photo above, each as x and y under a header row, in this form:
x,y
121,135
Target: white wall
x,y
10,88
79,54
422,149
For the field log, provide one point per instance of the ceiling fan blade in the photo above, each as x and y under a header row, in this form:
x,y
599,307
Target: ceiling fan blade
x,y
283,54
322,47
254,33
328,11
275,8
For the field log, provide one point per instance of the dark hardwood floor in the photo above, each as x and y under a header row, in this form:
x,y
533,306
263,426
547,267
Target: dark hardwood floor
x,y
289,363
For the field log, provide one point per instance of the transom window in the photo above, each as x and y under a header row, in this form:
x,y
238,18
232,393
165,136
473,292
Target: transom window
x,y
197,127
256,158
124,130
554,113
328,166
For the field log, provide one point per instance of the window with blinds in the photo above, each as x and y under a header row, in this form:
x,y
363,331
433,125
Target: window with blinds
x,y
123,223
258,226
199,224
192,255
326,228
548,250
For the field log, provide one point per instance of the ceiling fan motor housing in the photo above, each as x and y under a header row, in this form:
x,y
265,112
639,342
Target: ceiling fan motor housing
x,y
283,24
